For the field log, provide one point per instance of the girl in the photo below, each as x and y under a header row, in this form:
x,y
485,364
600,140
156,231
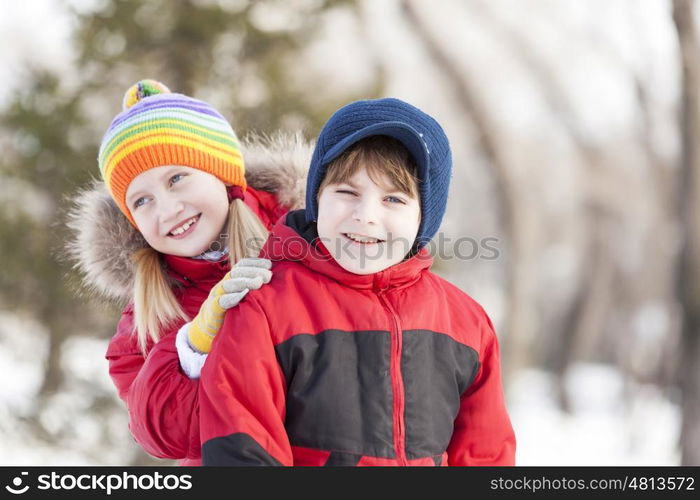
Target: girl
x,y
174,211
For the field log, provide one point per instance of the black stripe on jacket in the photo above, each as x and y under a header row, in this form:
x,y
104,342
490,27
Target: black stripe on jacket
x,y
339,392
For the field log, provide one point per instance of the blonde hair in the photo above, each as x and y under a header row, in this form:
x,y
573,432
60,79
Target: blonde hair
x,y
382,156
155,304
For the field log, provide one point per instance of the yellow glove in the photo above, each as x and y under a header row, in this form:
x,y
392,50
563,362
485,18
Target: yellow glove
x,y
247,274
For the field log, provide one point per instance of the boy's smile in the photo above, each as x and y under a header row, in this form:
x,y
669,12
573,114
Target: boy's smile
x,y
364,240
367,227
178,210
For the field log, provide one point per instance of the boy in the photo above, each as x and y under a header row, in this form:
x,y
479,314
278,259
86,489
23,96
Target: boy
x,y
355,353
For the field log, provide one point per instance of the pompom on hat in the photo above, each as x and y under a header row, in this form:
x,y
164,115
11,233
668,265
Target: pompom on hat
x,y
158,128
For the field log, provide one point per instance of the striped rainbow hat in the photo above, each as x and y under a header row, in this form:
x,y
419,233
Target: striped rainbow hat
x,y
157,128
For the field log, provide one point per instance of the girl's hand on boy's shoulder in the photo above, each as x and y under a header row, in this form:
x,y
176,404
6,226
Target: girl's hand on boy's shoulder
x,y
247,274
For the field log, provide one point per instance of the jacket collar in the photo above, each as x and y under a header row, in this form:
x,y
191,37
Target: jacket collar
x,y
294,239
192,271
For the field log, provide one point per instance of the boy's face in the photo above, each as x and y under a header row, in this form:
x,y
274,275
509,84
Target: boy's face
x,y
178,210
367,227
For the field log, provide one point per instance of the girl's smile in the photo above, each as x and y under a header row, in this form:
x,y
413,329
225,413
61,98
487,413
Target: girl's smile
x,y
185,229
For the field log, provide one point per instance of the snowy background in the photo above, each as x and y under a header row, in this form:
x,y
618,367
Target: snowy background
x,y
622,408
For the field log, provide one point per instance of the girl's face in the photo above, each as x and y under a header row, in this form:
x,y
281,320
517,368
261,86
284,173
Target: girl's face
x,y
178,210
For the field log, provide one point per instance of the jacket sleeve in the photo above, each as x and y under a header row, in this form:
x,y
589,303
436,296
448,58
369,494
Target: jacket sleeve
x,y
483,434
123,354
243,394
163,403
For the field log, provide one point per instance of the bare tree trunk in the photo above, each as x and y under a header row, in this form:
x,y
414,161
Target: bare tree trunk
x,y
516,330
689,264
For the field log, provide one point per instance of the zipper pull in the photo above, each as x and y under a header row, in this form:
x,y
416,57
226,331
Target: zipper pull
x,y
381,281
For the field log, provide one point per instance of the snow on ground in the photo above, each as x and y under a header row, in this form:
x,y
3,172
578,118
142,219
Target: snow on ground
x,y
611,423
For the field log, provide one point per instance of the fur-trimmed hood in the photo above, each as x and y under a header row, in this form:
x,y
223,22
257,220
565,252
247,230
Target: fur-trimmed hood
x,y
104,241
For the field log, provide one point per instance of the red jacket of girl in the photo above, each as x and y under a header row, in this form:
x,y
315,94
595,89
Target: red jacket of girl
x,y
326,367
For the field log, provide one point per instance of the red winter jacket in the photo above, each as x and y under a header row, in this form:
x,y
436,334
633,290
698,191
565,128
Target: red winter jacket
x,y
163,403
326,367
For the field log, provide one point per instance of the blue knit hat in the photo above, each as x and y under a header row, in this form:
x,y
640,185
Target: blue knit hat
x,y
418,132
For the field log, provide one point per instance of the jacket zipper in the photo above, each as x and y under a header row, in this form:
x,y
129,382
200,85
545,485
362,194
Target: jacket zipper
x,y
396,382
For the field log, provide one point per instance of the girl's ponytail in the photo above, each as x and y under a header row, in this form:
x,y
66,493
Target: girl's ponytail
x,y
246,233
155,305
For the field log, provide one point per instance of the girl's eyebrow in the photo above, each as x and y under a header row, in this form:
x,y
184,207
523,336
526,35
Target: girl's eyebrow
x,y
134,195
163,177
169,172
